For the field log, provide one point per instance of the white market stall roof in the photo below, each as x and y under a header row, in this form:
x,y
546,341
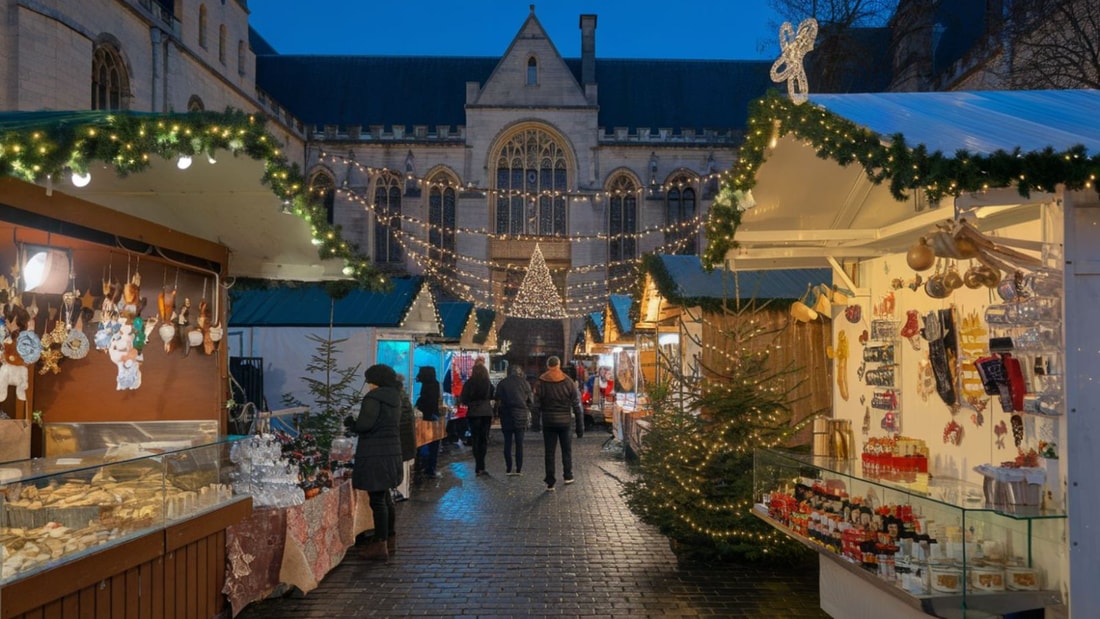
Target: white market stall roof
x,y
813,201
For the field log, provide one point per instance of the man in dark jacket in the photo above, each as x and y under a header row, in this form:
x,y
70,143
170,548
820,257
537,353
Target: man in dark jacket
x,y
514,399
559,404
429,404
378,468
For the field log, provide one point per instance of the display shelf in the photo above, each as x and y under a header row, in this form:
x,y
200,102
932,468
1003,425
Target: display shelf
x,y
60,509
932,543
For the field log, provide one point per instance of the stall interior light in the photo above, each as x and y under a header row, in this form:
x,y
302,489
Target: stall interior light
x,y
184,162
666,339
81,180
46,270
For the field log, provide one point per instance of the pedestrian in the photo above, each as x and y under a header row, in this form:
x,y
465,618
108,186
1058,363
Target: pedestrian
x,y
514,401
429,403
557,399
407,430
378,468
477,395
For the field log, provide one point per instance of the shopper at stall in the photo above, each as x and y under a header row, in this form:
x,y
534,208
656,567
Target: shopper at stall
x,y
557,400
408,443
429,403
378,468
514,400
477,395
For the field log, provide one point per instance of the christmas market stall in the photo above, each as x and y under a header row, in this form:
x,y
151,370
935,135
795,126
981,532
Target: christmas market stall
x,y
123,230
955,477
686,312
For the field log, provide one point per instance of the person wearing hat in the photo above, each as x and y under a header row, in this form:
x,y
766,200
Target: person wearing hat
x,y
378,467
558,402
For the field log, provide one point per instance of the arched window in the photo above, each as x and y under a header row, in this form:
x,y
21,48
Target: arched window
x,y
110,84
531,179
442,198
240,57
323,188
221,43
387,219
202,26
680,198
195,104
622,225
532,71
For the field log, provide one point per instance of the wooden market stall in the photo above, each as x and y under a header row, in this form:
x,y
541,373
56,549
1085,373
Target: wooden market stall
x,y
965,224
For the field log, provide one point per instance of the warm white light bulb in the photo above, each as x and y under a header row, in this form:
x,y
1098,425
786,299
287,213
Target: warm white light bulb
x,y
349,270
81,180
184,162
210,158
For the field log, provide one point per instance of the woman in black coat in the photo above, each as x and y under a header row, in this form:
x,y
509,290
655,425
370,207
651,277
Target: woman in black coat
x,y
378,466
477,395
431,396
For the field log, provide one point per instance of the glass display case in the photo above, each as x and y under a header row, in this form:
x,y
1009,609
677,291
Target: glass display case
x,y
932,543
55,510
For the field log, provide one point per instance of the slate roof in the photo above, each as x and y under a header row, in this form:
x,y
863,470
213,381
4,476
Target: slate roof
x,y
693,282
454,315
307,305
431,90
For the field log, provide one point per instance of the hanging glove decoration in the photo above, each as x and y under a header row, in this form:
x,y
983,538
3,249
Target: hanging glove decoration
x,y
939,330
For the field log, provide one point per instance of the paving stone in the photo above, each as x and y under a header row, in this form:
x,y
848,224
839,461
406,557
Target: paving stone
x,y
498,546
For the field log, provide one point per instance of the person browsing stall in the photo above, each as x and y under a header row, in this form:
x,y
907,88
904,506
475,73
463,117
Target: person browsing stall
x,y
378,468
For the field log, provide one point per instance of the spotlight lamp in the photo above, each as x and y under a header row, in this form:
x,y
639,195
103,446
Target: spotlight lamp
x,y
81,179
46,270
184,162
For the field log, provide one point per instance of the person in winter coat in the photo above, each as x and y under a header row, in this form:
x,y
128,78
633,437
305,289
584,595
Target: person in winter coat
x,y
558,401
378,467
477,395
514,400
429,403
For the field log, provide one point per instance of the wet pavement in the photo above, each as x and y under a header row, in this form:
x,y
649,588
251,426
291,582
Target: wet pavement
x,y
501,546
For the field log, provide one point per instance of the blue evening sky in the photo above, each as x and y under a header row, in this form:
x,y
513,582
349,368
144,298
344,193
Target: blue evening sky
x,y
683,29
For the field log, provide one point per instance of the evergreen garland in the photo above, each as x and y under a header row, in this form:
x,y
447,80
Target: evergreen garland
x,y
35,146
903,167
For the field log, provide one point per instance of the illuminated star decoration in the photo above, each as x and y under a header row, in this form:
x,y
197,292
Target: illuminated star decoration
x,y
793,47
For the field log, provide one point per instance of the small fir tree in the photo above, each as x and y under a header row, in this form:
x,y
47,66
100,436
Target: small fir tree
x,y
695,473
335,392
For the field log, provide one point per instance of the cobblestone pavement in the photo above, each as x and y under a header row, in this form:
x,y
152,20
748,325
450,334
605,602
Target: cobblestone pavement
x,y
501,546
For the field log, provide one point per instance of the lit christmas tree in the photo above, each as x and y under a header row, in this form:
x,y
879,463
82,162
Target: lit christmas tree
x,y
695,477
537,296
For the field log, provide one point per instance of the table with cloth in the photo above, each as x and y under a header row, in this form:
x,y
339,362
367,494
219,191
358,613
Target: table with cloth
x,y
279,548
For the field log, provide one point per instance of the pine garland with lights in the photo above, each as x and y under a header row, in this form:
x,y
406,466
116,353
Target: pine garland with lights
x,y
537,296
37,146
905,168
695,473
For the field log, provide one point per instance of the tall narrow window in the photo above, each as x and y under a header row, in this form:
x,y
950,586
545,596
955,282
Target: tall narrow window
x,y
531,180
681,236
202,26
323,188
532,71
240,57
109,78
221,43
387,219
441,222
622,227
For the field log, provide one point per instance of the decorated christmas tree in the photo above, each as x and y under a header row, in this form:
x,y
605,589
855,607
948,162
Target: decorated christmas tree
x,y
695,475
537,296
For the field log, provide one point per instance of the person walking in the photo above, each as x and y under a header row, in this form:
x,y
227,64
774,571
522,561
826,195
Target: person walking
x,y
429,403
378,468
477,395
557,399
514,400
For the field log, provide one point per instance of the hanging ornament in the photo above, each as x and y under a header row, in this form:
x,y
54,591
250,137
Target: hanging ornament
x,y
793,49
920,257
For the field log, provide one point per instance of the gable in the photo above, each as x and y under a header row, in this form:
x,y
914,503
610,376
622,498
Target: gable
x,y
422,316
507,85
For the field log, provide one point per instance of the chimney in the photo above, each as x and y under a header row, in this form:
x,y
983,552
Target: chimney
x,y
588,49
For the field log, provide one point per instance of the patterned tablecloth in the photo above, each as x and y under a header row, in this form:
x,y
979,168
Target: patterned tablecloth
x,y
292,547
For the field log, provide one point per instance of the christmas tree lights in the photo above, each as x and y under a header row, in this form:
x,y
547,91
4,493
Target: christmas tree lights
x,y
537,296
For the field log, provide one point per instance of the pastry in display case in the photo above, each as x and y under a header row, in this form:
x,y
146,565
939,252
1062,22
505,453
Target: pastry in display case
x,y
53,510
937,545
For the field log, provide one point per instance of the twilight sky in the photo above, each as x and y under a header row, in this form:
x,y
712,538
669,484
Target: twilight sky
x,y
684,29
